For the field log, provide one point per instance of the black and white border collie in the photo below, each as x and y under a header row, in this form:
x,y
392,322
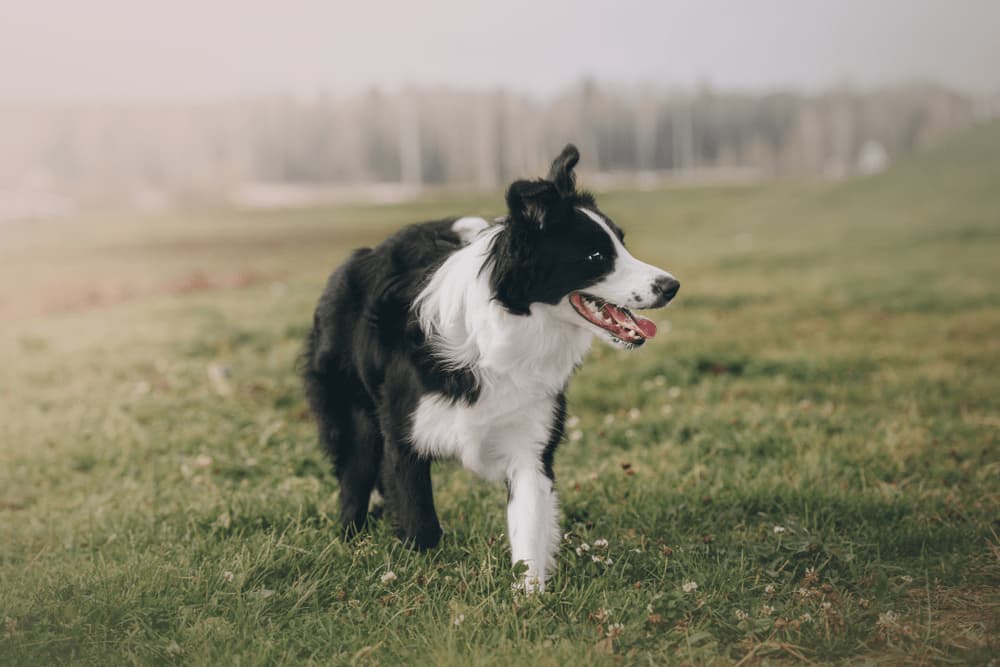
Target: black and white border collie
x,y
457,339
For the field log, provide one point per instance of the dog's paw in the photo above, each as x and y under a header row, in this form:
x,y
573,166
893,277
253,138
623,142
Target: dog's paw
x,y
528,580
529,584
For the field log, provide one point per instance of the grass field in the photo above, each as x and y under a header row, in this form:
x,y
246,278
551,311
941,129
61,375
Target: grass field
x,y
804,465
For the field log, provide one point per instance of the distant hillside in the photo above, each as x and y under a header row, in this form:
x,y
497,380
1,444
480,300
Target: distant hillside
x,y
953,183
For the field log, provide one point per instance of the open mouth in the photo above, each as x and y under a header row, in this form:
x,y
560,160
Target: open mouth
x,y
621,323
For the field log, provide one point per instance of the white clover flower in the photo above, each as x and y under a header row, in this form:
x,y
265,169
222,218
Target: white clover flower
x,y
457,621
584,547
806,618
389,577
573,421
766,610
601,544
227,576
634,414
741,615
825,605
778,530
575,436
887,619
769,589
608,562
615,629
689,586
907,579
674,392
597,559
609,419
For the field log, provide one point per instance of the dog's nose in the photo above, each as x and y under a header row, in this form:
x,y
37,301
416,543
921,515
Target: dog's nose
x,y
665,287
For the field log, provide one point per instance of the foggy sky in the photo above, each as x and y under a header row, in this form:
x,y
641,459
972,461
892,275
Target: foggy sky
x,y
128,50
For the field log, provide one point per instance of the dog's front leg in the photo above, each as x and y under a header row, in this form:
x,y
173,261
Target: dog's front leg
x,y
406,479
533,524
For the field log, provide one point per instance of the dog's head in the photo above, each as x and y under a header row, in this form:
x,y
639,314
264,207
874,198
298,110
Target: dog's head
x,y
558,250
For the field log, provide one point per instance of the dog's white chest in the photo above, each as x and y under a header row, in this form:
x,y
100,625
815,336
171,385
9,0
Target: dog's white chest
x,y
503,429
523,364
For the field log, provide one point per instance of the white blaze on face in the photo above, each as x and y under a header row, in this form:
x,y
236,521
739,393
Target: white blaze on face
x,y
631,283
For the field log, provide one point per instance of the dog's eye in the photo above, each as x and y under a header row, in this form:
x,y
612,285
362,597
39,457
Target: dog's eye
x,y
595,256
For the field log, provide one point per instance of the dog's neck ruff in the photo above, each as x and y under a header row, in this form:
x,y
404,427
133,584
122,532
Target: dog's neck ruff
x,y
468,329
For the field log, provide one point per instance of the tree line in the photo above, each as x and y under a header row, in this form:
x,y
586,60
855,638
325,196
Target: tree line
x,y
445,137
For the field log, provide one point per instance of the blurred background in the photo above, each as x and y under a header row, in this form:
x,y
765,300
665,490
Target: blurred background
x,y
178,179
155,105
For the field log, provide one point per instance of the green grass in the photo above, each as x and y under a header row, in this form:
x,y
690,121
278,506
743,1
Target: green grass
x,y
813,441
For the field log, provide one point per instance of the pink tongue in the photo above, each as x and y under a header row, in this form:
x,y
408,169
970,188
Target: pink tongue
x,y
647,327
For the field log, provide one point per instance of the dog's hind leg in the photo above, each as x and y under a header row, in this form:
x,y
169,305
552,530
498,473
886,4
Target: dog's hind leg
x,y
358,471
351,438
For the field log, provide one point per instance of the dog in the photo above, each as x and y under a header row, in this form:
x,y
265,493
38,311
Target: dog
x,y
457,338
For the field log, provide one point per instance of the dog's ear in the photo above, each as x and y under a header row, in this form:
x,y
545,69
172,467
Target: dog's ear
x,y
561,173
532,202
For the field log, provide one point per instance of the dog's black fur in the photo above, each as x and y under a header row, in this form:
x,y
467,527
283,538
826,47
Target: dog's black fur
x,y
366,364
